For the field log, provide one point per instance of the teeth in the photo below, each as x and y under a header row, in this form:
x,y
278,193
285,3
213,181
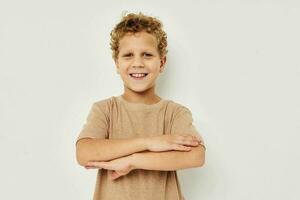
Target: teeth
x,y
138,75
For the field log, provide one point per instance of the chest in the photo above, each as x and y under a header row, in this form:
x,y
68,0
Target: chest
x,y
131,124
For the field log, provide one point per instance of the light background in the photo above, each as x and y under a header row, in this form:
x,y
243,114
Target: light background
x,y
236,65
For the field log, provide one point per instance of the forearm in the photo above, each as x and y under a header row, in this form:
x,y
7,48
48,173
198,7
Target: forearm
x,y
88,149
170,160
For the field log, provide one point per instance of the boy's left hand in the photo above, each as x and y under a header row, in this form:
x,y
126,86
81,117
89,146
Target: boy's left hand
x,y
120,166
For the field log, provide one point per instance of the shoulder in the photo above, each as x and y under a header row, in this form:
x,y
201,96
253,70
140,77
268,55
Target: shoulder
x,y
176,106
103,104
177,109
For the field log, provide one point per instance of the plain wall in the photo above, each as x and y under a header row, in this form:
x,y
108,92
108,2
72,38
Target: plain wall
x,y
236,65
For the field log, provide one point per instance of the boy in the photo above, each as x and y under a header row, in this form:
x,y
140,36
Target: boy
x,y
138,140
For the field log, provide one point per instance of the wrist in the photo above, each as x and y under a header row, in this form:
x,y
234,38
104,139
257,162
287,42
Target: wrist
x,y
143,143
133,159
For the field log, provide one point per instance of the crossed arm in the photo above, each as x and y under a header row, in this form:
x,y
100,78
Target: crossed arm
x,y
169,160
118,154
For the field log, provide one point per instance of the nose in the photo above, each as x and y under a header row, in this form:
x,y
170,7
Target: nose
x,y
138,62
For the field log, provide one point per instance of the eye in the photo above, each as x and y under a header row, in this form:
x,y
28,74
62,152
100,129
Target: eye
x,y
130,54
148,54
127,55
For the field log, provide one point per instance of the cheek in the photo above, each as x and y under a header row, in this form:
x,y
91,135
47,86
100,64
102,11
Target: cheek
x,y
123,71
153,66
155,70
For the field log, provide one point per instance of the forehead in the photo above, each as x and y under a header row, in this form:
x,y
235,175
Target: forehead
x,y
140,40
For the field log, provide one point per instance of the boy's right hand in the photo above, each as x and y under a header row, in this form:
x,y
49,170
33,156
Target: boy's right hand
x,y
179,142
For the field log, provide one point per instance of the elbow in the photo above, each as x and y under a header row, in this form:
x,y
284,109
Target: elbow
x,y
85,152
80,158
201,163
81,154
199,156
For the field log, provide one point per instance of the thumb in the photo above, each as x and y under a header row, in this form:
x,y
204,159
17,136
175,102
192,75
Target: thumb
x,y
115,175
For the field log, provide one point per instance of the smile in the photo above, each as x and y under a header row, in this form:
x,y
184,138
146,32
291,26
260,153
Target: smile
x,y
138,76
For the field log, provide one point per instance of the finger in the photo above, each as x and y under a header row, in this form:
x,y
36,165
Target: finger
x,y
196,138
186,137
187,142
90,167
115,175
193,137
181,147
104,165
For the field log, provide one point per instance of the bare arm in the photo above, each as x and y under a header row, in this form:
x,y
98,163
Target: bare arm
x,y
88,149
170,160
162,161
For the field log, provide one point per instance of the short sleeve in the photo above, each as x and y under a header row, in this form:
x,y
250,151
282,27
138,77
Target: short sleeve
x,y
96,124
183,124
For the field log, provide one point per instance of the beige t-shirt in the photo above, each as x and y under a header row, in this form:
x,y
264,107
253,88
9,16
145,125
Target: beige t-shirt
x,y
118,118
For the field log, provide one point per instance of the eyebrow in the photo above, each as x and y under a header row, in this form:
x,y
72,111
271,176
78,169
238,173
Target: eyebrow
x,y
145,51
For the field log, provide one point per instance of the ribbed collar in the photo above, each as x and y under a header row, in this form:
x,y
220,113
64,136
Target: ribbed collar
x,y
140,106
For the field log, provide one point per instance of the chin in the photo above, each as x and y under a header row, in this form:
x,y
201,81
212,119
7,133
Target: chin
x,y
139,89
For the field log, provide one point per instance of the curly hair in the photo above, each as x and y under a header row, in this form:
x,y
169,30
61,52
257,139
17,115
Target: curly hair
x,y
132,23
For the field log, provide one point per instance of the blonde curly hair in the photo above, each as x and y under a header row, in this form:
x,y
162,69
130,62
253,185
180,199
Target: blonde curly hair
x,y
132,23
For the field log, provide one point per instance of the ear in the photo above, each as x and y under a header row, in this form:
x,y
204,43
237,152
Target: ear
x,y
162,63
117,66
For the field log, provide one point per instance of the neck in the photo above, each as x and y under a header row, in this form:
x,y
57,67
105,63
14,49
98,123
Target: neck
x,y
146,97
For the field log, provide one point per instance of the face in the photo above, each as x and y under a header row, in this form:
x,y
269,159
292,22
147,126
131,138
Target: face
x,y
138,62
